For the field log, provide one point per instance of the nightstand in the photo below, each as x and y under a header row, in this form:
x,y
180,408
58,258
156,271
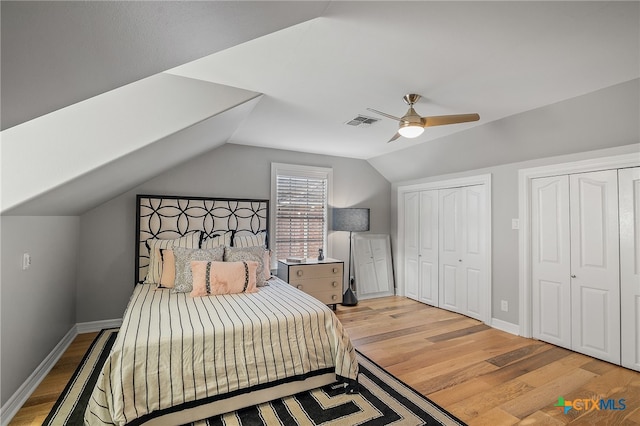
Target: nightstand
x,y
321,279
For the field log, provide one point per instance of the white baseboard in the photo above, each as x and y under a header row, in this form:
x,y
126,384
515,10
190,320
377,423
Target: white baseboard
x,y
13,404
505,326
17,400
92,326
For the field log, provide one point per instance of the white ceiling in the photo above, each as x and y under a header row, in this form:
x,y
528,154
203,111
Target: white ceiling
x,y
494,58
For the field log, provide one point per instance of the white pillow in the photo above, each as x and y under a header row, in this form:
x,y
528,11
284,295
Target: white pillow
x,y
249,239
154,245
217,240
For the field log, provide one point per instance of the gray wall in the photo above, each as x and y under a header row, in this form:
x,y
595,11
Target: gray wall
x,y
107,240
38,305
504,207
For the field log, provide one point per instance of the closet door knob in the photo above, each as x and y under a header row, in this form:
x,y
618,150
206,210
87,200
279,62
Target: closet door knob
x,y
573,276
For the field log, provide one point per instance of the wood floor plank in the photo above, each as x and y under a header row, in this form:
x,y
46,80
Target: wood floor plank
x,y
494,417
545,396
475,405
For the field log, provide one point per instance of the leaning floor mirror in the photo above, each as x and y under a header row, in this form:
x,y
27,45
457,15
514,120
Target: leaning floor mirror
x,y
373,266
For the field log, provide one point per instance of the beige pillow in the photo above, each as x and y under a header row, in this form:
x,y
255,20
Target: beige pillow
x,y
154,273
168,278
216,278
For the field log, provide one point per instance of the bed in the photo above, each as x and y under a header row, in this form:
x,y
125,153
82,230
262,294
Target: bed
x,y
179,358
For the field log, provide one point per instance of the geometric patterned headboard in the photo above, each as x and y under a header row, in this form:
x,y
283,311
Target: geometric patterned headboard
x,y
169,217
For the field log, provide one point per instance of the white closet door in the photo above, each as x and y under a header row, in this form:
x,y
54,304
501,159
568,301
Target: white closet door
x,y
452,293
629,181
595,262
411,244
551,260
462,253
473,250
428,255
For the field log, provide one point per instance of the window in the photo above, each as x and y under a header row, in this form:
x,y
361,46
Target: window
x,y
300,196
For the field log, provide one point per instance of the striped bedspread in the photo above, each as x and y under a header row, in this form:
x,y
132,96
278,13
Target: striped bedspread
x,y
173,349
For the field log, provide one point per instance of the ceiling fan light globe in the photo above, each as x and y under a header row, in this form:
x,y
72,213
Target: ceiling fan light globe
x,y
411,131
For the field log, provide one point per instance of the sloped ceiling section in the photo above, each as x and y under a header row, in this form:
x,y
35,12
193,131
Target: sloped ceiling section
x,y
114,141
57,53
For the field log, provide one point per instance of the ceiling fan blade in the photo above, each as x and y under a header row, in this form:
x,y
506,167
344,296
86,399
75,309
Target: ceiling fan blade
x,y
384,114
440,120
396,136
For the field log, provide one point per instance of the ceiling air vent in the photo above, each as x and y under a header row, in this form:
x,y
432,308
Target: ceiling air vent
x,y
362,120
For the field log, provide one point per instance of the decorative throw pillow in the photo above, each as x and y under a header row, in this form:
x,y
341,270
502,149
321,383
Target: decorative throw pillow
x,y
168,278
154,245
217,240
214,278
249,239
184,257
252,254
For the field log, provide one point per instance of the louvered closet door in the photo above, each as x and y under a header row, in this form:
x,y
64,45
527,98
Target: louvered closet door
x,y
595,263
550,260
411,244
629,181
428,255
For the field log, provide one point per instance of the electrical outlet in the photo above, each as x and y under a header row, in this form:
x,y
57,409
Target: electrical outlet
x,y
504,305
26,261
515,223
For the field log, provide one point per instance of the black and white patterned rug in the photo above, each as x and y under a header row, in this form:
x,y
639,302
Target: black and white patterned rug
x,y
382,400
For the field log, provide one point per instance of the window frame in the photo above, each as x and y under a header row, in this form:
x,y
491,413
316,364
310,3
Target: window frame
x,y
303,171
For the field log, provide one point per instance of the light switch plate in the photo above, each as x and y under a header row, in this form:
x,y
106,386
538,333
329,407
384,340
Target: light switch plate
x,y
515,223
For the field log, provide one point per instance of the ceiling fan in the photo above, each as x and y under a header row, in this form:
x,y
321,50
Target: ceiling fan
x,y
412,125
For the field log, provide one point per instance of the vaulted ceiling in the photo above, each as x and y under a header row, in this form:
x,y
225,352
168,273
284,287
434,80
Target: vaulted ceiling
x,y
293,72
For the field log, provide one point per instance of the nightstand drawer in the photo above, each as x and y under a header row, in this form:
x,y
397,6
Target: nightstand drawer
x,y
317,285
305,272
328,297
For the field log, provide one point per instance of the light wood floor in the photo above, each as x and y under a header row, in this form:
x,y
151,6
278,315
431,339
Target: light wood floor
x,y
481,375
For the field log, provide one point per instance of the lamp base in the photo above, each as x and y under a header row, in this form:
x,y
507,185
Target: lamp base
x,y
349,298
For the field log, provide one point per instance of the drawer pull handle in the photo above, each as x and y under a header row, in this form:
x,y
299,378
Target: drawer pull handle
x,y
335,284
299,286
335,270
334,297
299,272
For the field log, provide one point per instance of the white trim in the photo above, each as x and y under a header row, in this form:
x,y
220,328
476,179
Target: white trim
x,y
17,400
524,212
93,326
505,326
484,179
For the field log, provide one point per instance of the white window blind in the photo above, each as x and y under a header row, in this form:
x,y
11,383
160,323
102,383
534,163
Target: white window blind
x,y
300,207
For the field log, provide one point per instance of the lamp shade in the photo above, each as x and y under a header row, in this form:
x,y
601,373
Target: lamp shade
x,y
410,130
351,219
